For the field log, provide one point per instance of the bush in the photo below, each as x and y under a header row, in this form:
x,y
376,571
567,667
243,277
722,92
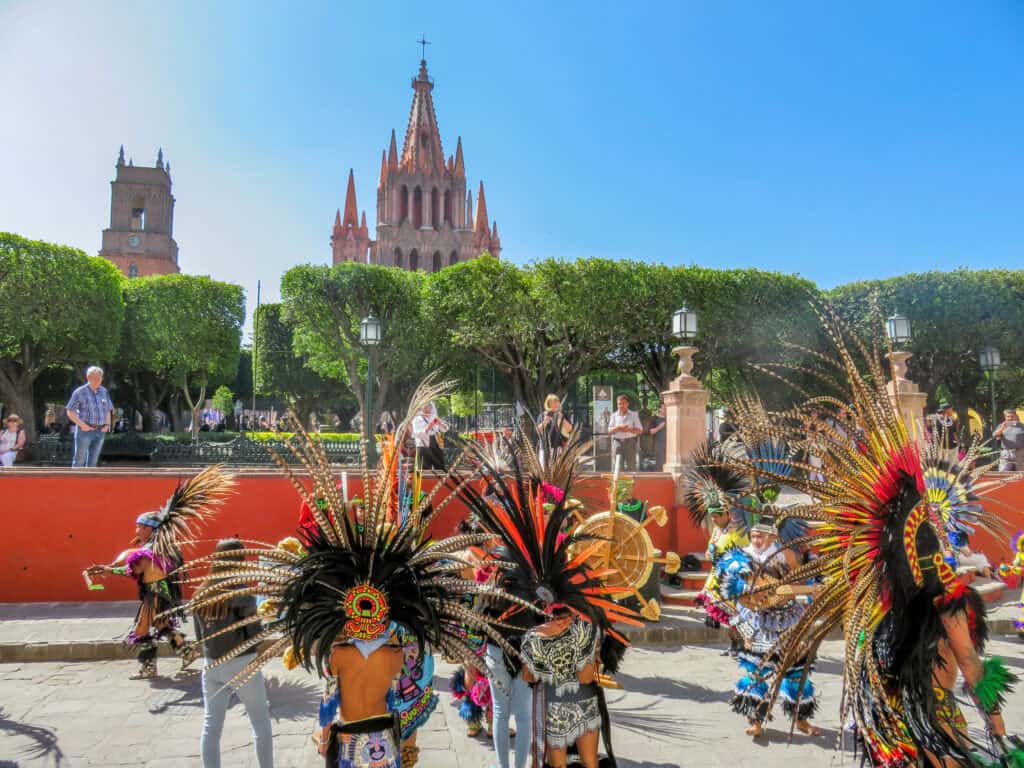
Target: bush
x,y
269,437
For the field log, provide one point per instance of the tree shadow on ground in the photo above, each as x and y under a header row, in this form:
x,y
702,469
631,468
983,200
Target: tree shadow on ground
x,y
674,689
656,727
288,700
44,740
625,762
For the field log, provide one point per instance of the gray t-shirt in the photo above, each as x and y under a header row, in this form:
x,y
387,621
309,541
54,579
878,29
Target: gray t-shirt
x,y
1012,438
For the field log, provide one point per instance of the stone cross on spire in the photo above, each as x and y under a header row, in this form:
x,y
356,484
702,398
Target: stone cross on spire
x,y
423,46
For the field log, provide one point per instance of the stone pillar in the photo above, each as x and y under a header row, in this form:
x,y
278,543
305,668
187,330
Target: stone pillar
x,y
686,403
905,395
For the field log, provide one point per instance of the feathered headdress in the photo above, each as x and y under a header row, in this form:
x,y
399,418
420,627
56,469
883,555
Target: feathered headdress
x,y
356,574
710,483
552,569
190,504
880,550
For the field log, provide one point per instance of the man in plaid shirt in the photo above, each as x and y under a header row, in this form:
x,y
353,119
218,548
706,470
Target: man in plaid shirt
x,y
89,408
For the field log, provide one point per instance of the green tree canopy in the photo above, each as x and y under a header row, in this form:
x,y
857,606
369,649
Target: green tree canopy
x,y
185,330
542,326
325,306
281,372
57,305
745,316
953,316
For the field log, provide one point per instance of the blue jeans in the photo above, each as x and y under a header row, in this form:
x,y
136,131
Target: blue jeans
x,y
87,448
217,696
513,698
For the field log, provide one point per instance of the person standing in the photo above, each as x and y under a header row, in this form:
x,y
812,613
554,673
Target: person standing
x,y
426,428
1010,435
89,409
12,440
946,427
213,624
553,427
656,429
624,426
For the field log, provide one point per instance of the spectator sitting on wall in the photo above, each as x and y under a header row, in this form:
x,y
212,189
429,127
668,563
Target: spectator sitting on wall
x,y
12,440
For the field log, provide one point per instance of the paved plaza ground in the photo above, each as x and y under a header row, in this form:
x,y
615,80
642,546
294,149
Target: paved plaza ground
x,y
672,712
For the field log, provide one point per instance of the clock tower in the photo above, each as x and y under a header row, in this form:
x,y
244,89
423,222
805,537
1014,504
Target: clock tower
x,y
140,237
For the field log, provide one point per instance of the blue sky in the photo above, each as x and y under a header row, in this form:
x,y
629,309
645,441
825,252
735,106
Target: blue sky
x,y
840,141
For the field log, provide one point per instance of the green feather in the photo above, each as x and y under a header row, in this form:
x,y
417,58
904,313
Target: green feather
x,y
1014,758
996,680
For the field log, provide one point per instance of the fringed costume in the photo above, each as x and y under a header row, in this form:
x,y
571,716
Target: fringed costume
x,y
710,492
1016,568
154,566
881,535
564,655
350,604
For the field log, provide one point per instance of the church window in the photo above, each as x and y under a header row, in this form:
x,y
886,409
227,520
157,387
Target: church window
x,y
453,258
417,208
436,259
414,259
424,139
447,206
398,257
133,270
435,208
138,219
403,204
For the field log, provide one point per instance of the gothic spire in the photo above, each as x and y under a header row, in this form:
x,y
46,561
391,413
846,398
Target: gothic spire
x,y
480,222
422,151
337,218
120,156
351,214
460,164
383,167
392,153
160,158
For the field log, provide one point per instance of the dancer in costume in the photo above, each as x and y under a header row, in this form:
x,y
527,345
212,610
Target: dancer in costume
x,y
908,622
1017,568
563,656
761,617
711,489
346,602
155,556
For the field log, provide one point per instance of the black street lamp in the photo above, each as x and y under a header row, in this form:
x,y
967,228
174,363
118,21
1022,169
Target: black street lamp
x,y
990,362
643,389
897,328
369,335
684,324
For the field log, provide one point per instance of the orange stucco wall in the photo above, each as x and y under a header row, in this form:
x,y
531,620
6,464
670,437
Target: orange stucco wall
x,y
58,522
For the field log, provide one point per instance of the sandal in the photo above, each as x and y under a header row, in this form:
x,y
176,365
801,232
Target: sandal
x,y
146,670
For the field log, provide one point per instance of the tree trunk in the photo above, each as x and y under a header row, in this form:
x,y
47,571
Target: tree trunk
x,y
16,393
174,412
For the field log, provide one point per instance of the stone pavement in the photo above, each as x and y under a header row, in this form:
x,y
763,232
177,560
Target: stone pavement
x,y
672,712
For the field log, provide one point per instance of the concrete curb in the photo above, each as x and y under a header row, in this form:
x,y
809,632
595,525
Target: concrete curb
x,y
111,650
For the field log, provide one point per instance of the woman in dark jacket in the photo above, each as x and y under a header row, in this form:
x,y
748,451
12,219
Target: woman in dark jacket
x,y
217,686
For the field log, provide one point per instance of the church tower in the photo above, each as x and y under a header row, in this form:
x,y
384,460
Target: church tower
x,y
140,238
425,217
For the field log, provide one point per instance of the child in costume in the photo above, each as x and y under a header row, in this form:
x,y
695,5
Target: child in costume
x,y
154,560
1016,568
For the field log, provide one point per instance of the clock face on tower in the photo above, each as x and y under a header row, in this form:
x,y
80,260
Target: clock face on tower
x,y
134,241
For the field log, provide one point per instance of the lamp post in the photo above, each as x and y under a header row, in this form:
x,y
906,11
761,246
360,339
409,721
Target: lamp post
x,y
990,361
685,400
369,335
897,328
643,389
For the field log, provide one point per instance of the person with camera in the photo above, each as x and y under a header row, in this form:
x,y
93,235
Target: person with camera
x,y
1010,435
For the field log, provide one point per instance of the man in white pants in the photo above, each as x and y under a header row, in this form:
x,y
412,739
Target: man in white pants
x,y
624,426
